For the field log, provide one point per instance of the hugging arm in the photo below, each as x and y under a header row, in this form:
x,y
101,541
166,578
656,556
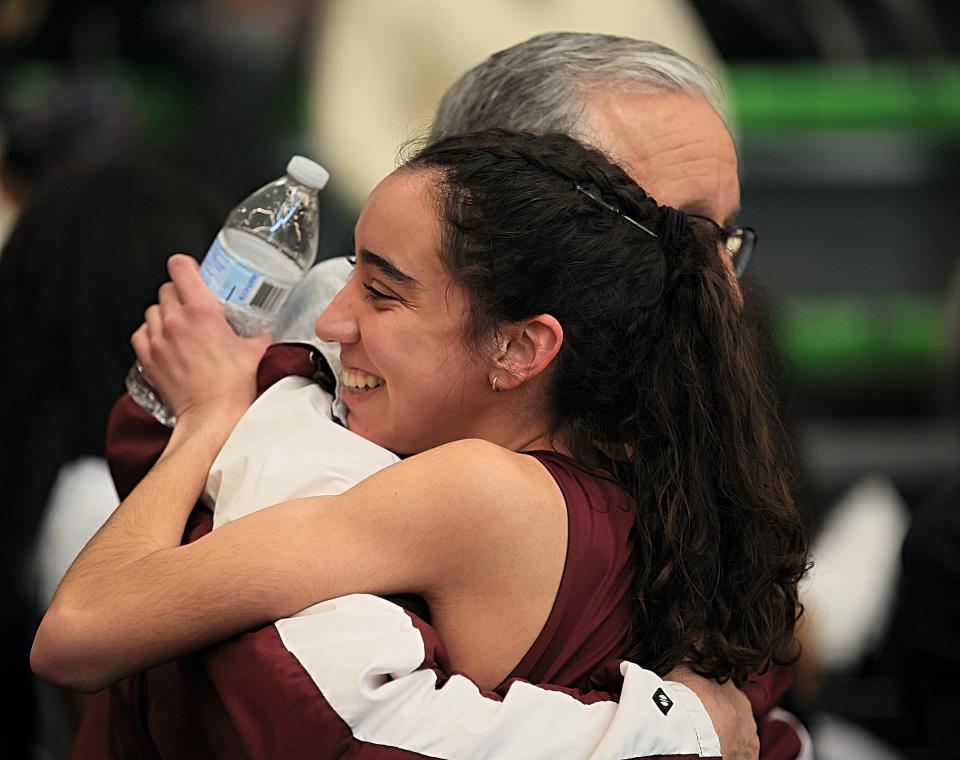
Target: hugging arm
x,y
708,692
135,597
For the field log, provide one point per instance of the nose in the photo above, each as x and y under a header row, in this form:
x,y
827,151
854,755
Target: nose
x,y
338,323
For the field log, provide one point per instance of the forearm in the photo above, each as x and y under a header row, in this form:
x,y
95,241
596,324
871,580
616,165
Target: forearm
x,y
82,632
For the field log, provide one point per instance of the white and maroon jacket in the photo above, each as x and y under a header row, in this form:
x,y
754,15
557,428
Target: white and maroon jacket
x,y
362,676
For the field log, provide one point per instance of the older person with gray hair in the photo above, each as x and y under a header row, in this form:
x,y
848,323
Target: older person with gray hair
x,y
650,109
653,111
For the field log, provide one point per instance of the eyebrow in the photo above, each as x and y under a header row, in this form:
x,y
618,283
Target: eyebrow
x,y
702,210
389,269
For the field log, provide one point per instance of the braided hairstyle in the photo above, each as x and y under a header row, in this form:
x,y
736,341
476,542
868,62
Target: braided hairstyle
x,y
657,382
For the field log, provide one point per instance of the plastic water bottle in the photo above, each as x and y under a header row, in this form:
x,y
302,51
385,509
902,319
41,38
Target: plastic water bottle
x,y
264,249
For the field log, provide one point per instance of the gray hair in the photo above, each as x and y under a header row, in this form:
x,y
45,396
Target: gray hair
x,y
539,85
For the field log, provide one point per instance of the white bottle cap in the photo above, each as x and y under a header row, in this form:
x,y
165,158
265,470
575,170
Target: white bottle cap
x,y
308,172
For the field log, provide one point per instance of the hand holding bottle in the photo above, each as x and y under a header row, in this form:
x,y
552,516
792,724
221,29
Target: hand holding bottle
x,y
190,353
267,244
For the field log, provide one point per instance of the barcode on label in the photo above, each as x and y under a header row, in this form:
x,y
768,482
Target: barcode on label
x,y
268,297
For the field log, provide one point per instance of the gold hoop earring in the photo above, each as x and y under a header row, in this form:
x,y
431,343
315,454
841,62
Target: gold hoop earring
x,y
495,384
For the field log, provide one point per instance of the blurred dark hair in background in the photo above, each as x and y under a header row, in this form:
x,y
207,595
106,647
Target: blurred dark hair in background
x,y
214,85
83,262
75,123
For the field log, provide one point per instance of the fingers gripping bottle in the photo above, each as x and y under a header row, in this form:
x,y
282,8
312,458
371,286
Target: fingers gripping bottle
x,y
264,249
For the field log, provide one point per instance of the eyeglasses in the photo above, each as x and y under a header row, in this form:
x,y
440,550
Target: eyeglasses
x,y
739,243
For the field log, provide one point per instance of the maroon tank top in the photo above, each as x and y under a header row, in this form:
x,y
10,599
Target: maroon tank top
x,y
591,614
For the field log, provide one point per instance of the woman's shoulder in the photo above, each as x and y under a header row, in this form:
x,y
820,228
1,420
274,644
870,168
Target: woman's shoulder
x,y
456,516
474,478
486,465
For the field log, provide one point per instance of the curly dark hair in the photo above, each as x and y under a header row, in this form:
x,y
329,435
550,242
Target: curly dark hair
x,y
658,382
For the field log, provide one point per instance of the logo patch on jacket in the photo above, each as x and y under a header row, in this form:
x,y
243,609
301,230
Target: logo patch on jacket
x,y
662,701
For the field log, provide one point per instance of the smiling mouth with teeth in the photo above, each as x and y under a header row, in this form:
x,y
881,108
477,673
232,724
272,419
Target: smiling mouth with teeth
x,y
360,382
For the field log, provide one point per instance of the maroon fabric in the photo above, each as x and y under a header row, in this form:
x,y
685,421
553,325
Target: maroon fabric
x,y
779,739
135,439
591,613
248,697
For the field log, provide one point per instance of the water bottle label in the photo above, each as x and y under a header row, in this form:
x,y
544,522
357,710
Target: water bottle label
x,y
236,283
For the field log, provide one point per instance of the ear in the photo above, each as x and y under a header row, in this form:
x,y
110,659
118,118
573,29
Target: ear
x,y
525,349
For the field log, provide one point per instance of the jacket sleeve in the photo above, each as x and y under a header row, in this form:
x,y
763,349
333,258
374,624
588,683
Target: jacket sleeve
x,y
361,677
135,439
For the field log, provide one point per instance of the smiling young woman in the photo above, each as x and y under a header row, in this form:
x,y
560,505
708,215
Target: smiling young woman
x,y
593,449
400,323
